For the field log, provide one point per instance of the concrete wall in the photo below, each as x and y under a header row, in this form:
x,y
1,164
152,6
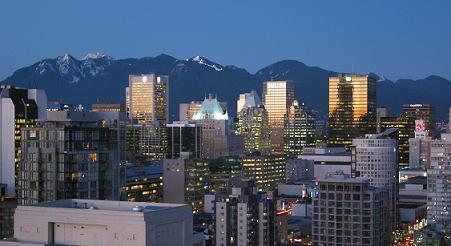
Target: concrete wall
x,y
7,168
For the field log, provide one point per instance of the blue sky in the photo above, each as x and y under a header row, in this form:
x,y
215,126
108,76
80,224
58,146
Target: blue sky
x,y
397,39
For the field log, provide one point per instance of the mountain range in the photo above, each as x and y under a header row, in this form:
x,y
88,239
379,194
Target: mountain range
x,y
101,78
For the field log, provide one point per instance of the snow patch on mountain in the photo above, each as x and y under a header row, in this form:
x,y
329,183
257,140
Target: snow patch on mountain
x,y
97,55
205,62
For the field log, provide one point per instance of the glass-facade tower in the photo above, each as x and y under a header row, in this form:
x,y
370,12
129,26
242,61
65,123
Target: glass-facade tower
x,y
352,108
277,98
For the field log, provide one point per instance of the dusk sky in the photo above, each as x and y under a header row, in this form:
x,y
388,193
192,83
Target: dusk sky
x,y
397,39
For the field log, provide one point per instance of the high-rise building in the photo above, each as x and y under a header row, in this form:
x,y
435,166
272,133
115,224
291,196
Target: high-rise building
x,y
352,108
243,216
222,169
247,100
144,183
93,222
253,126
299,130
277,98
375,158
68,159
146,142
406,130
184,136
266,170
147,98
18,108
185,181
425,112
439,184
347,211
381,112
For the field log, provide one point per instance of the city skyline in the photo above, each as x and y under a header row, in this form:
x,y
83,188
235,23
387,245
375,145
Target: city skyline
x,y
104,149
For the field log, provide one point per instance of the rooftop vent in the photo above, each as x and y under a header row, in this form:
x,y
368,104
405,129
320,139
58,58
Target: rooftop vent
x,y
137,208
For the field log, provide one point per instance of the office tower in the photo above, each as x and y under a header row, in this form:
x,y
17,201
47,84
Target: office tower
x,y
184,137
188,110
266,170
94,222
381,112
147,98
18,108
424,112
68,159
375,158
299,130
144,182
347,211
185,181
108,107
247,100
145,142
243,216
406,126
352,108
277,98
439,184
253,126
222,169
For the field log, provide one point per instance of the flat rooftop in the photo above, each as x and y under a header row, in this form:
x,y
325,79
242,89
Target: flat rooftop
x,y
119,206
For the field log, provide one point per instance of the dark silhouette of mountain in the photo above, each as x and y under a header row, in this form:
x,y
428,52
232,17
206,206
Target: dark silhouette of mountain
x,y
100,78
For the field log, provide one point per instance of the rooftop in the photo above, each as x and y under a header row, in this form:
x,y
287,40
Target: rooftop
x,y
117,206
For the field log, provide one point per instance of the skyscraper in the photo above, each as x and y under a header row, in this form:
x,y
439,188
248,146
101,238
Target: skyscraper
x,y
406,130
266,170
146,141
277,98
147,98
253,126
352,108
347,211
247,100
425,112
439,184
375,158
184,137
299,130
